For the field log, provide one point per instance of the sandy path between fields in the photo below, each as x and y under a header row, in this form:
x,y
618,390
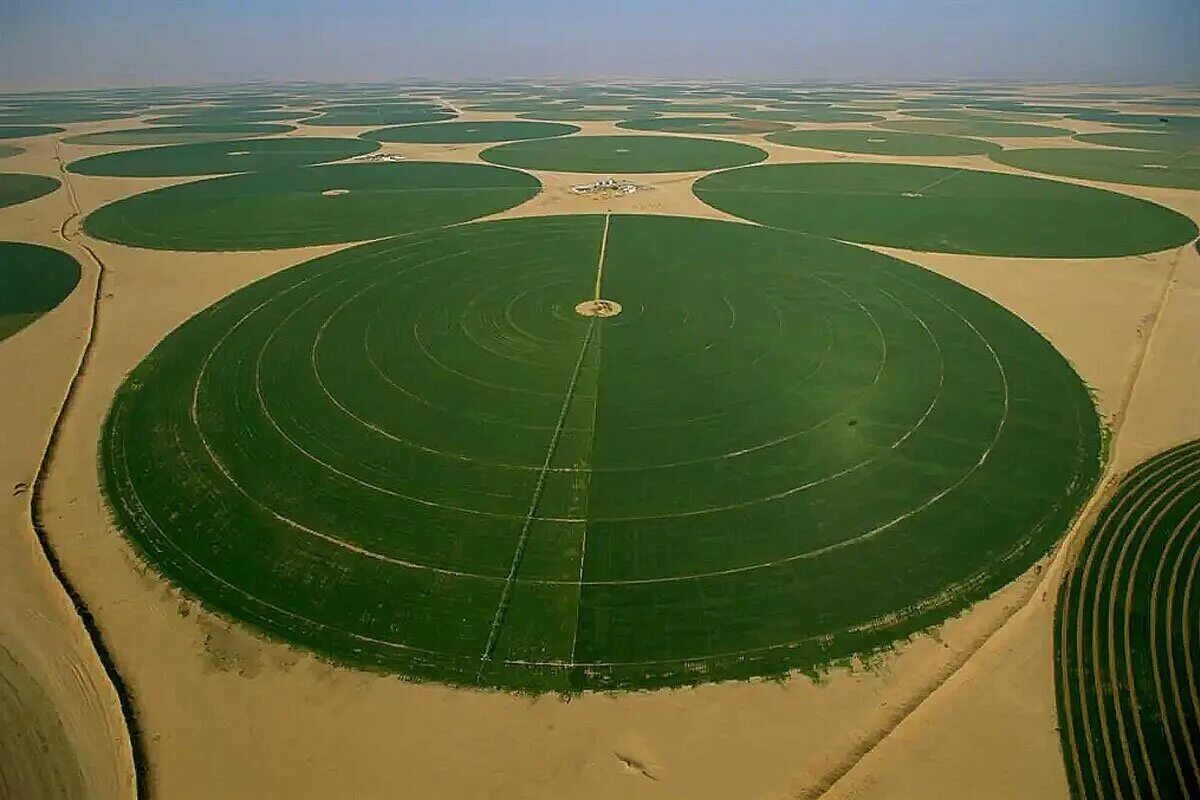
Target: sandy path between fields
x,y
227,714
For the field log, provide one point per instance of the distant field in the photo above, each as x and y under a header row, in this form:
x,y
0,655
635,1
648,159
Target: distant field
x,y
415,455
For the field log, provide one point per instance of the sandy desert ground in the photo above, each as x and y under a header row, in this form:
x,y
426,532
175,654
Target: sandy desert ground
x,y
964,710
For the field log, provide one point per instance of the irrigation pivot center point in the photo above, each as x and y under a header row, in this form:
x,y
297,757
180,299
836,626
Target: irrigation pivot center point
x,y
598,308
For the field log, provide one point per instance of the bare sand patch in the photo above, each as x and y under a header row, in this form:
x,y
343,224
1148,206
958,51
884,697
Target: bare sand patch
x,y
598,308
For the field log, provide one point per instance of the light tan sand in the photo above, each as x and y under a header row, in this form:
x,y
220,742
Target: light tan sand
x,y
228,714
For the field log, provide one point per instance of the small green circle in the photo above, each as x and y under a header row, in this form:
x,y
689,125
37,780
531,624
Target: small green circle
x,y
719,125
18,187
469,132
884,142
946,210
623,154
309,205
215,158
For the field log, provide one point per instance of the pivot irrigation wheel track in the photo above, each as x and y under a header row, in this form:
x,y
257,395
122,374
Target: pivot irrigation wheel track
x,y
1127,660
415,455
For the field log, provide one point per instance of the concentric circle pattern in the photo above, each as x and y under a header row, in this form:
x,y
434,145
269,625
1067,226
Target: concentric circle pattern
x,y
416,455
946,210
215,158
624,154
309,205
1128,663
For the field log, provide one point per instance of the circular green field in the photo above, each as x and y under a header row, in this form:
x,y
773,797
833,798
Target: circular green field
x,y
381,115
470,132
416,455
7,150
309,205
33,280
1170,142
623,154
985,128
23,131
1126,656
1141,168
1165,122
721,125
179,134
19,187
945,210
822,115
884,143
215,158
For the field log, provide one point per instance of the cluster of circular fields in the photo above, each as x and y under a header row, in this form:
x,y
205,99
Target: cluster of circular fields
x,y
1127,641
33,280
418,455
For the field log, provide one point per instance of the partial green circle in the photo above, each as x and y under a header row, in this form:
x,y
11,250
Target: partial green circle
x,y
884,142
215,158
416,456
946,210
626,154
309,205
24,131
7,150
470,132
179,134
18,187
1136,167
822,115
718,125
985,128
33,280
1177,141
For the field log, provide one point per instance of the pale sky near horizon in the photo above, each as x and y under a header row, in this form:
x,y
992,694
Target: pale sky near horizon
x,y
69,43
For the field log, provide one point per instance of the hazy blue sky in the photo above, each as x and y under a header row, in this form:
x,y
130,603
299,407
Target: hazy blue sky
x,y
123,42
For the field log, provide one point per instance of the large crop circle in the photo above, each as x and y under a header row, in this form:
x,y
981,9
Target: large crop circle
x,y
623,154
890,143
215,158
179,134
309,205
1173,169
418,455
946,210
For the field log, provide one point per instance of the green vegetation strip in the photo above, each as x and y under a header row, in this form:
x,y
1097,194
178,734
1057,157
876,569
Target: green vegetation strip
x,y
23,131
414,455
226,116
179,134
33,280
470,132
623,154
1141,168
884,143
822,115
1127,665
985,128
19,187
946,210
7,150
309,205
382,115
582,114
722,125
